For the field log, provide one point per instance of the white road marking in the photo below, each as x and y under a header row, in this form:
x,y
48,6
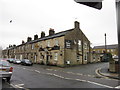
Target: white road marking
x,y
37,71
118,87
24,68
49,73
104,76
100,84
49,69
17,86
74,79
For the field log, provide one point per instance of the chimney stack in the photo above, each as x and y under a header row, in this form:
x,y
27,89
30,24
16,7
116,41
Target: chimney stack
x,y
23,42
51,32
35,37
76,23
14,45
42,34
29,39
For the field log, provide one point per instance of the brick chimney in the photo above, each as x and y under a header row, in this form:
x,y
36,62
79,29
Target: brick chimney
x,y
35,37
76,24
29,39
14,45
42,34
23,42
51,32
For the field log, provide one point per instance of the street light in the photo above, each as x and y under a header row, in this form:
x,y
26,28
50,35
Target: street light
x,y
105,44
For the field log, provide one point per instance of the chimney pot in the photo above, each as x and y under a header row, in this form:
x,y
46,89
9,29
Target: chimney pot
x,y
76,24
35,37
51,32
42,34
29,39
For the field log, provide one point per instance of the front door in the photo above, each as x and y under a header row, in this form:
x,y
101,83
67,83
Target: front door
x,y
47,59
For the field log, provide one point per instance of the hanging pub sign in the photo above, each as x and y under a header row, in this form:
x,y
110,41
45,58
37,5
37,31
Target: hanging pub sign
x,y
68,44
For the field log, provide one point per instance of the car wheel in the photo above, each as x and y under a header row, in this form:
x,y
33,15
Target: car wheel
x,y
8,79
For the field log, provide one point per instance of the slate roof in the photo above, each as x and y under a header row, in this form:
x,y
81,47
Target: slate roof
x,y
59,34
114,46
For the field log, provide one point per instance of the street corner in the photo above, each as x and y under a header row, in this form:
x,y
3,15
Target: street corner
x,y
104,73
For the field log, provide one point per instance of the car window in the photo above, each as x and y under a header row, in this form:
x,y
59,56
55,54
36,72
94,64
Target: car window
x,y
27,60
4,63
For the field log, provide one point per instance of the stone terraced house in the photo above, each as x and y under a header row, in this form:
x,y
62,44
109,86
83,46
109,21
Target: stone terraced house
x,y
66,48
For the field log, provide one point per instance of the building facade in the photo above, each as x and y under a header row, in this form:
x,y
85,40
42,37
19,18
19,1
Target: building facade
x,y
113,49
70,47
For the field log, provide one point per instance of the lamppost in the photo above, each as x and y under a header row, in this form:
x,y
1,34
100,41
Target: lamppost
x,y
105,44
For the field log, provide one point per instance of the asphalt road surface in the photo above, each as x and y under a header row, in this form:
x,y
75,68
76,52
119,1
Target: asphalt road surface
x,y
41,76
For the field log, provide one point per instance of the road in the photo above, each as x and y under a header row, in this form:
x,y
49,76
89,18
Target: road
x,y
41,76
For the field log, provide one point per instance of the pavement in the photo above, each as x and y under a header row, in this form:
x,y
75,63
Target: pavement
x,y
104,72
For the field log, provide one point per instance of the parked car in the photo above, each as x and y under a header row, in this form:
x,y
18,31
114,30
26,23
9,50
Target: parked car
x,y
5,70
26,62
10,60
17,61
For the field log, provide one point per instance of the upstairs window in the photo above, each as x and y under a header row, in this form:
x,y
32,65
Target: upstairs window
x,y
56,42
56,56
32,46
48,43
79,45
85,45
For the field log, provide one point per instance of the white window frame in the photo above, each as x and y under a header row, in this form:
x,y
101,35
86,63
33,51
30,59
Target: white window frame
x,y
79,45
85,55
32,46
56,56
85,45
78,59
48,43
56,42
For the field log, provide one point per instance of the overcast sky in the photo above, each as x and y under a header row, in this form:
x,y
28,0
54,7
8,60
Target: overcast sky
x,y
30,17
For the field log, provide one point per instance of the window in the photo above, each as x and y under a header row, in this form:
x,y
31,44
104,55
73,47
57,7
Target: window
x,y
112,50
56,42
78,57
23,48
79,45
85,45
48,43
32,46
85,56
56,56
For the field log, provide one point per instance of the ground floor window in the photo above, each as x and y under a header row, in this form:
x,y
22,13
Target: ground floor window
x,y
78,57
85,56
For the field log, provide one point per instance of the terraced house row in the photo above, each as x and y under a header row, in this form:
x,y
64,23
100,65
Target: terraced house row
x,y
70,47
